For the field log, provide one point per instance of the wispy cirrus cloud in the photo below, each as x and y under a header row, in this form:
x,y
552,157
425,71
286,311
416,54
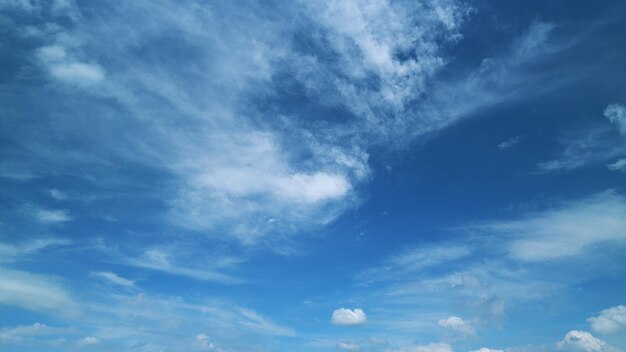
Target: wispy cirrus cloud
x,y
25,249
234,168
113,278
52,216
38,293
594,145
27,333
566,230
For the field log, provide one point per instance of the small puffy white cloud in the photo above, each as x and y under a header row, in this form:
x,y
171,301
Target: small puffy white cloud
x,y
610,320
618,165
616,113
509,143
204,343
348,346
459,325
52,216
582,341
344,316
113,278
433,347
88,341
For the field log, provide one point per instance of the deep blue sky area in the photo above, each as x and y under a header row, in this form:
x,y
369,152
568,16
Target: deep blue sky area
x,y
333,175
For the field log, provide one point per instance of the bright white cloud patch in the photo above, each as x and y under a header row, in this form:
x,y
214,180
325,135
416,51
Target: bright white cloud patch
x,y
52,216
616,113
64,67
458,324
77,72
113,278
204,343
344,316
582,341
610,320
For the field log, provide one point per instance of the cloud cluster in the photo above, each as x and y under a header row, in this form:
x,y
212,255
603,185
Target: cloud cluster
x,y
582,341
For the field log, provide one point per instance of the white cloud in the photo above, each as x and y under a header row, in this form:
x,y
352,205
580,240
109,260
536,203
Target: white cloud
x,y
161,260
236,171
465,328
344,316
52,216
582,341
618,165
348,346
12,252
88,341
255,322
78,72
432,347
616,113
416,259
204,343
509,143
485,349
566,230
593,145
36,293
610,320
19,333
114,278
65,68
584,147
58,195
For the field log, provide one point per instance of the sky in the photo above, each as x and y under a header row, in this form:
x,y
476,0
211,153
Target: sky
x,y
327,175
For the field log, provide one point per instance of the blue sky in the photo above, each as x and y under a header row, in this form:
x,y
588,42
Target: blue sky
x,y
348,175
